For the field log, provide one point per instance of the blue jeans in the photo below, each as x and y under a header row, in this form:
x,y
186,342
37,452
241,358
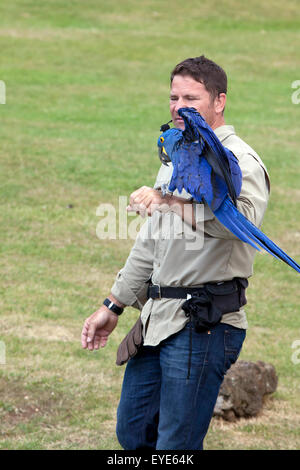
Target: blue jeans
x,y
170,390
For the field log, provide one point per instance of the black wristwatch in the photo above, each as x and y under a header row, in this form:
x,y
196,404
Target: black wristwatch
x,y
113,307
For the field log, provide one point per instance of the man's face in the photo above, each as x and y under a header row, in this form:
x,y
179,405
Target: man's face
x,y
187,92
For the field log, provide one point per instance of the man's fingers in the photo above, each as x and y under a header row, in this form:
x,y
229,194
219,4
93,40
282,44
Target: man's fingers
x,y
134,196
145,201
139,195
138,208
95,332
103,341
90,345
91,332
84,334
97,341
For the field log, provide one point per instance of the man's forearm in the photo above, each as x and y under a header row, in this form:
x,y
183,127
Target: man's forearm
x,y
183,208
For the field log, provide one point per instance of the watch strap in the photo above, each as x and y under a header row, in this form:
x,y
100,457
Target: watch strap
x,y
113,307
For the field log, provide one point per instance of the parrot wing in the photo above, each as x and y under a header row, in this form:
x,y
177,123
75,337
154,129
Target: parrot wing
x,y
222,160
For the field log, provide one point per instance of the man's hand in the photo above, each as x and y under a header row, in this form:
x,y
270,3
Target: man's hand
x,y
97,328
146,200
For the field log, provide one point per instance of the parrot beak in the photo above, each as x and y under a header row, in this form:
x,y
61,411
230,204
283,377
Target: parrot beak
x,y
163,156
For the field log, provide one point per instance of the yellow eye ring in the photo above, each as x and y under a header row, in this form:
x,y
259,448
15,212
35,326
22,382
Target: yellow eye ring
x,y
162,140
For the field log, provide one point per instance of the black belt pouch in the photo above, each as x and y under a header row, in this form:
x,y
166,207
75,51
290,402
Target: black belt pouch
x,y
206,307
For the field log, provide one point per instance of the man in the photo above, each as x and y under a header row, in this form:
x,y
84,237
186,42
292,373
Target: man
x,y
171,385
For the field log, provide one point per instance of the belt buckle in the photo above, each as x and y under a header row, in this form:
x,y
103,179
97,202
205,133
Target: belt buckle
x,y
157,290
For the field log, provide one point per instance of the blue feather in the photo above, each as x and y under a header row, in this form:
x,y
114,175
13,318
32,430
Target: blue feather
x,y
209,171
240,226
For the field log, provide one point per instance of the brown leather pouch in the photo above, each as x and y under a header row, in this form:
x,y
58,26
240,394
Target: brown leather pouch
x,y
131,343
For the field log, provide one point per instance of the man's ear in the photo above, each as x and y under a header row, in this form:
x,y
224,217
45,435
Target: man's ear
x,y
220,102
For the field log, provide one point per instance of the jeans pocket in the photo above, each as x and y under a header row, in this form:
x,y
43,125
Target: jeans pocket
x,y
233,342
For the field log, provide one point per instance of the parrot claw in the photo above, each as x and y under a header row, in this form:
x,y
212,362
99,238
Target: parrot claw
x,y
164,187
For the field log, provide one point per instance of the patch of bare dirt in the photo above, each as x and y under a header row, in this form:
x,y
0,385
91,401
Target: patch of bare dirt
x,y
18,404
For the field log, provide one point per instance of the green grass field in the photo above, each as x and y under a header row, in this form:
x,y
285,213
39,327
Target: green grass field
x,y
87,86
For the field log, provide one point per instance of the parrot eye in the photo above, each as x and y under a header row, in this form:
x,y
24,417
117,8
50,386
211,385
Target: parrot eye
x,y
162,140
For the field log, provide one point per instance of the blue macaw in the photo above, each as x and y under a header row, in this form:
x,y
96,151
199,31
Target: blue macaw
x,y
210,173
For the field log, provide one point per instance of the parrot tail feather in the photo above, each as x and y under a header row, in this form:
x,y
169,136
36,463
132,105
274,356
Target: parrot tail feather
x,y
242,228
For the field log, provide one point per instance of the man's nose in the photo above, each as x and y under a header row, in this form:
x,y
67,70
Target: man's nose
x,y
180,103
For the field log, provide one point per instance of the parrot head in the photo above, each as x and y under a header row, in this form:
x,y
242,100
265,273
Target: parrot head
x,y
166,142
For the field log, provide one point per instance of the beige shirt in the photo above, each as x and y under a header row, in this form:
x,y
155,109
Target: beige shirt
x,y
165,250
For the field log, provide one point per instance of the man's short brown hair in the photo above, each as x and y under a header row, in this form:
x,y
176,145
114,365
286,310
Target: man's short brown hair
x,y
205,71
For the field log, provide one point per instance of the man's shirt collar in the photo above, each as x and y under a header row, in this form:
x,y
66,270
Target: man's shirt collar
x,y
223,132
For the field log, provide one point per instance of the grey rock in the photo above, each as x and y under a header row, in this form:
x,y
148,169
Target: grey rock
x,y
243,390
